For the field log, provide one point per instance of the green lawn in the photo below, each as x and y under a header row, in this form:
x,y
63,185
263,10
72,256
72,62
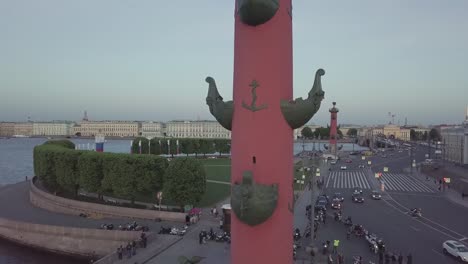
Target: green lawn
x,y
217,169
215,192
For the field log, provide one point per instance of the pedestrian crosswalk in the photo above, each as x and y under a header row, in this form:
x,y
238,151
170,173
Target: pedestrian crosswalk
x,y
347,180
401,182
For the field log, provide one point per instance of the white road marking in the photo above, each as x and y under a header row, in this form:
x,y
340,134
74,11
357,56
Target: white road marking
x,y
421,222
464,238
438,253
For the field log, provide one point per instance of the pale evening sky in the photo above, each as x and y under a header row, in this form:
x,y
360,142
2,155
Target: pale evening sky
x,y
147,59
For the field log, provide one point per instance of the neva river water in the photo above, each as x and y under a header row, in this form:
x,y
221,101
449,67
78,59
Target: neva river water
x,y
16,162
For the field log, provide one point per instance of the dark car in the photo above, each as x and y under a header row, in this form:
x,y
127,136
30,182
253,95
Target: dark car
x,y
357,190
338,196
336,204
323,198
357,198
376,195
321,206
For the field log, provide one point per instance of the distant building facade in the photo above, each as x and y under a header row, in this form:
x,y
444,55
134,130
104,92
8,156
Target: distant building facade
x,y
107,128
455,142
297,133
23,129
196,129
7,129
368,134
152,129
52,129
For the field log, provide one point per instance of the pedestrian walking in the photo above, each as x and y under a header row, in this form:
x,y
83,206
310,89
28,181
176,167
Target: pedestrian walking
x,y
133,248
340,259
387,258
336,243
129,250
200,237
221,224
409,259
119,252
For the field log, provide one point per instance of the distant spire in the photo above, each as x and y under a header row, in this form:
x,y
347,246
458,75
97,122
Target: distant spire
x,y
85,117
466,114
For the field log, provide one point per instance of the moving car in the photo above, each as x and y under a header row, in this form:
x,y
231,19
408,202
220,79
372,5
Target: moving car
x,y
321,205
357,190
333,162
349,161
343,168
357,198
376,195
455,249
336,204
338,196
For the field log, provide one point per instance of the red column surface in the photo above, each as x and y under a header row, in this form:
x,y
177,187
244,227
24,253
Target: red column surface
x,y
263,53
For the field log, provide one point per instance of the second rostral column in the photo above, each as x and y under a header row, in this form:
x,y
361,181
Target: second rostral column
x,y
262,118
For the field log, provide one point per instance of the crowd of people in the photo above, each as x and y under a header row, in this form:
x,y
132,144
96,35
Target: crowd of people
x,y
130,249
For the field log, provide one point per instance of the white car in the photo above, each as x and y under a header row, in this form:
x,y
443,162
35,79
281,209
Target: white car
x,y
343,168
455,249
333,162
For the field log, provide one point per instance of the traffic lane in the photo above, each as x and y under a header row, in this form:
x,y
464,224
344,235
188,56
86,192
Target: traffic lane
x,y
399,231
439,210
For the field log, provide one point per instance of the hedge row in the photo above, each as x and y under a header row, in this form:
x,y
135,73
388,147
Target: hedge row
x,y
63,169
187,146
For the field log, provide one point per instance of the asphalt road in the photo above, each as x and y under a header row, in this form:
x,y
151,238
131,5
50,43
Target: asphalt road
x,y
388,218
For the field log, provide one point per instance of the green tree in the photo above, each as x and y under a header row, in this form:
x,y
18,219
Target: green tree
x,y
434,135
136,145
196,146
66,161
424,136
185,181
352,132
173,146
413,135
91,172
206,146
306,132
149,174
222,146
120,175
186,146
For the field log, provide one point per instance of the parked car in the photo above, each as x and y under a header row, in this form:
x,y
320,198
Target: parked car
x,y
376,195
357,198
456,249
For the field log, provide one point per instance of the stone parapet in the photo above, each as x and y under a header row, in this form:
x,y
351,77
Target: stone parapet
x,y
58,204
71,241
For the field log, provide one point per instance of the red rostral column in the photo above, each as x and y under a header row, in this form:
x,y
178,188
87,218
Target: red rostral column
x,y
262,118
333,128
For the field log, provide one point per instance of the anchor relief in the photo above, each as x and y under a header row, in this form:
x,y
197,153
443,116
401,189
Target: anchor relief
x,y
251,202
253,106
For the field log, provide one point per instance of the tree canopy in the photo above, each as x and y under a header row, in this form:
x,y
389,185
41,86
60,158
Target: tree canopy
x,y
185,181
